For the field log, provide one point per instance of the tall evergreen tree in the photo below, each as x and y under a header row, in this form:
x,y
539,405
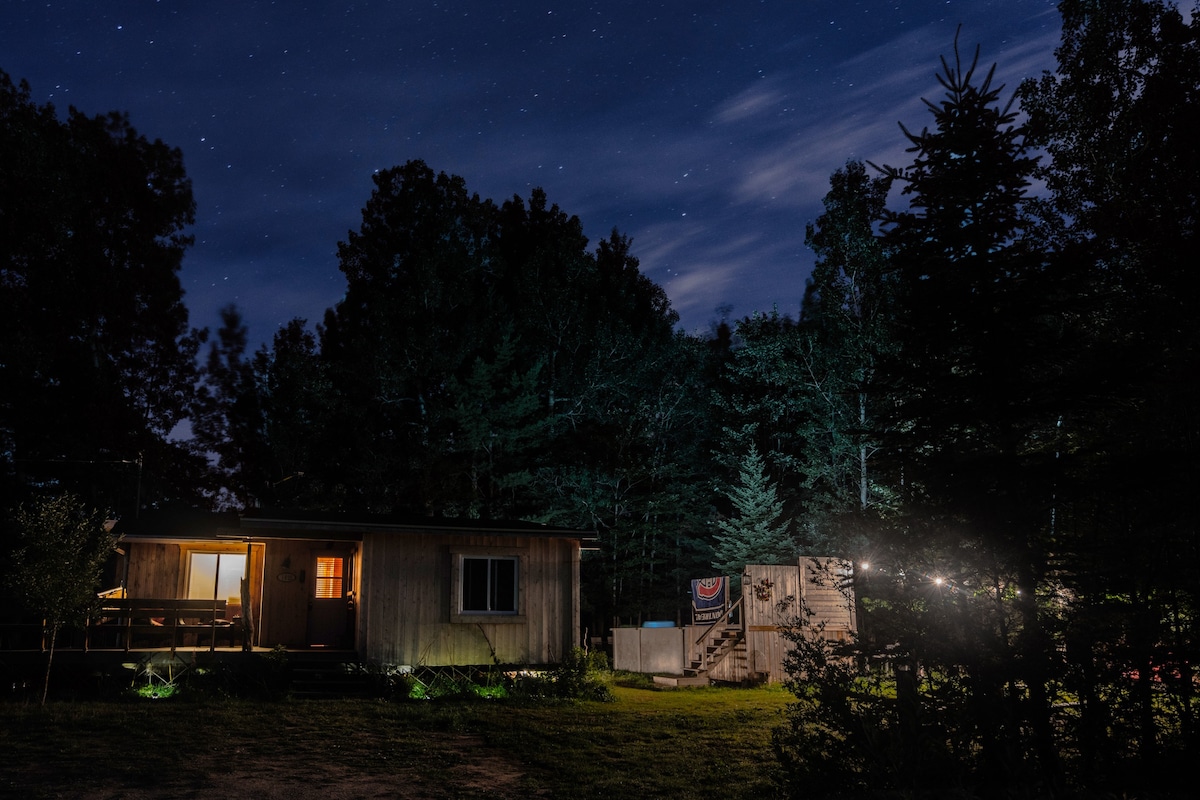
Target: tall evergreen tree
x,y
758,399
297,398
498,420
228,420
1117,119
974,423
419,309
757,532
480,352
639,479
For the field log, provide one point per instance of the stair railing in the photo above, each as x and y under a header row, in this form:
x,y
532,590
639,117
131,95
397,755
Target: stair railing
x,y
721,624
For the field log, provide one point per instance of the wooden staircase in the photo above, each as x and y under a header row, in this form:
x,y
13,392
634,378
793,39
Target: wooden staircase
x,y
716,646
721,640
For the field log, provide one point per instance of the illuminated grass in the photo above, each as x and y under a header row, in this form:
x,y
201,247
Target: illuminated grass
x,y
678,743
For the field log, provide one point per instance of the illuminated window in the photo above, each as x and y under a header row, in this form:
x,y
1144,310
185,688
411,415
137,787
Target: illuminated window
x,y
329,577
215,576
489,585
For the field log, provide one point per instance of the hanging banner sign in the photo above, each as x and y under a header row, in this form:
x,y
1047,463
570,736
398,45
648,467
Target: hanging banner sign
x,y
710,599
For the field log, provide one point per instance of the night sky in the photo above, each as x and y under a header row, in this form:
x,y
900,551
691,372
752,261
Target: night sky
x,y
705,131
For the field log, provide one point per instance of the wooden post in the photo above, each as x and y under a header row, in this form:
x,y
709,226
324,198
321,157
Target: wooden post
x,y
247,609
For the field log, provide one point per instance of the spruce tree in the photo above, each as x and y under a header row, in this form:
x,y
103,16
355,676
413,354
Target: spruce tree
x,y
758,532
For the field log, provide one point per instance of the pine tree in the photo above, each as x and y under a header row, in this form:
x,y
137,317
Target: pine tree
x,y
973,429
758,532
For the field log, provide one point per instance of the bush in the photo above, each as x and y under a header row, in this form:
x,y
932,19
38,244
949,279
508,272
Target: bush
x,y
390,681
581,675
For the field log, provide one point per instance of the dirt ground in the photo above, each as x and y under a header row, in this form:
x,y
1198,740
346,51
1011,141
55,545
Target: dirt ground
x,y
471,770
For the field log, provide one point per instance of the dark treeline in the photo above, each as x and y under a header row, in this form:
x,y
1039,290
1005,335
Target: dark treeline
x,y
989,402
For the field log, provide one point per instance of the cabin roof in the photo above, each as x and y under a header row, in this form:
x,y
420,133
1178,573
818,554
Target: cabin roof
x,y
196,525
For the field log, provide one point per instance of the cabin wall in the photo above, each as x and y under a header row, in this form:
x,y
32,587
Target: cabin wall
x,y
407,612
153,570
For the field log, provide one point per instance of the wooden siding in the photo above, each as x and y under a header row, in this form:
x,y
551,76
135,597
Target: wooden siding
x,y
154,570
827,595
407,611
773,596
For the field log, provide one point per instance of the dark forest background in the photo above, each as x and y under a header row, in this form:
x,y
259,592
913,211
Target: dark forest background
x,y
993,382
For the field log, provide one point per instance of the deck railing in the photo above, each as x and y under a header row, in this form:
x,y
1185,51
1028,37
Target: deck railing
x,y
171,622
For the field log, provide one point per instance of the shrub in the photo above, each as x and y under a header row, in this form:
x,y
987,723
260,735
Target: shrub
x,y
581,675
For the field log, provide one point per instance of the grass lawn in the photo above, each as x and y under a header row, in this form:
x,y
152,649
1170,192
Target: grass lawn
x,y
677,743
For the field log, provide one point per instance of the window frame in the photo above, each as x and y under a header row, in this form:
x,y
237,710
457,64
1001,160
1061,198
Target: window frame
x,y
458,555
340,580
185,568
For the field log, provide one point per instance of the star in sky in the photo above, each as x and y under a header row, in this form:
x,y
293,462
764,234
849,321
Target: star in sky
x,y
706,131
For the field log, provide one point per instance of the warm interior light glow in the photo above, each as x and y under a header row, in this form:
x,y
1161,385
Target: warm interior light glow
x,y
329,578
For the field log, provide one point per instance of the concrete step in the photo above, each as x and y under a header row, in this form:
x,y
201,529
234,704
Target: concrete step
x,y
685,680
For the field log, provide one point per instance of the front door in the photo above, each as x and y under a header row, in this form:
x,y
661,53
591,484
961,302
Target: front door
x,y
331,600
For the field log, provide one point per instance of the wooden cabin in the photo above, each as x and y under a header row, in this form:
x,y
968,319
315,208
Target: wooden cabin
x,y
417,593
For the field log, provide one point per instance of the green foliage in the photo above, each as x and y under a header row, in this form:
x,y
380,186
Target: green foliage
x,y
842,737
228,418
159,676
1037,421
581,675
59,549
758,533
849,325
479,353
1115,118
